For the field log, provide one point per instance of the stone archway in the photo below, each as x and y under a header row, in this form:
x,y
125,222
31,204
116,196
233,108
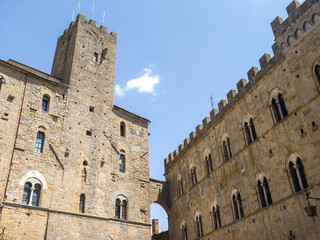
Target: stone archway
x,y
159,193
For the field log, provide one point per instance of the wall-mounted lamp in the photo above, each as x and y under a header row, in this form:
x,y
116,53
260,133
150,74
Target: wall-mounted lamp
x,y
311,210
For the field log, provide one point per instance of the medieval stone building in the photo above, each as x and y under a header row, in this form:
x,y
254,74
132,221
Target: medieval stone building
x,y
72,165
75,166
251,170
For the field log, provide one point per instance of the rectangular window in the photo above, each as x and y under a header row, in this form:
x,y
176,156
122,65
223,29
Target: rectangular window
x,y
82,203
122,163
95,57
39,142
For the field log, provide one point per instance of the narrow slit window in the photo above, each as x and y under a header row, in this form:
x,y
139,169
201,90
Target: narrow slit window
x,y
82,203
122,129
95,57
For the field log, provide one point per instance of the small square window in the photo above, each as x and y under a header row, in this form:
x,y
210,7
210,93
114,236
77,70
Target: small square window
x,y
89,133
95,57
91,109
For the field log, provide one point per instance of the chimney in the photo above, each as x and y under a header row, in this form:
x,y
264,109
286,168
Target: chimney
x,y
155,226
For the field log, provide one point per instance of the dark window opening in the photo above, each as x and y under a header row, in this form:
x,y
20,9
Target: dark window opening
x,y
184,233
216,217
294,177
36,195
317,72
194,176
261,195
95,57
199,226
124,209
253,130
45,103
122,129
268,195
276,110
302,173
82,203
91,109
209,164
283,106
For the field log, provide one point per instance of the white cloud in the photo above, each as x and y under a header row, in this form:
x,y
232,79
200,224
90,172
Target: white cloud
x,y
145,83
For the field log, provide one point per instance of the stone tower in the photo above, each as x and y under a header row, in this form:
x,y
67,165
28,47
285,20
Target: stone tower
x,y
87,176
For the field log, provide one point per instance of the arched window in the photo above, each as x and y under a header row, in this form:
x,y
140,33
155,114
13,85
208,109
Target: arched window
x,y
261,195
31,193
267,191
122,166
118,209
122,129
226,145
121,208
45,103
199,226
250,131
216,217
26,193
237,206
36,195
184,232
317,72
209,164
294,177
194,176
278,106
39,142
298,176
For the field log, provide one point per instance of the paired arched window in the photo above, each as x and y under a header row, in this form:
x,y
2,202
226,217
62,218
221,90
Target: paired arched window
x,y
121,208
216,217
278,106
298,176
199,226
184,232
317,72
237,206
31,193
180,187
250,131
226,147
45,103
122,129
39,142
194,176
122,166
209,163
264,193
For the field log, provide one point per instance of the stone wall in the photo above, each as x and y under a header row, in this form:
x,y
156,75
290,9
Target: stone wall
x,y
290,72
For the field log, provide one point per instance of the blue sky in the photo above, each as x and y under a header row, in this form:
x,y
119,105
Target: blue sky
x,y
171,55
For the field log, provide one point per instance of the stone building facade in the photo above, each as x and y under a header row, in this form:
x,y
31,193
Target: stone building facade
x,y
251,170
72,164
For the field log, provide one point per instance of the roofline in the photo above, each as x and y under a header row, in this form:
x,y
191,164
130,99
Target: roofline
x,y
132,114
8,63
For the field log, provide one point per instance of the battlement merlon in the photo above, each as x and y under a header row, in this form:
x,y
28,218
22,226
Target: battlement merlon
x,y
82,19
294,10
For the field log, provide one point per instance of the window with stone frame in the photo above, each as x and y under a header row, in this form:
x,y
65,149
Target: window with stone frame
x,y
199,227
264,193
278,107
39,142
121,208
226,147
298,176
250,131
209,166
237,206
216,217
31,192
184,232
122,166
122,129
45,103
